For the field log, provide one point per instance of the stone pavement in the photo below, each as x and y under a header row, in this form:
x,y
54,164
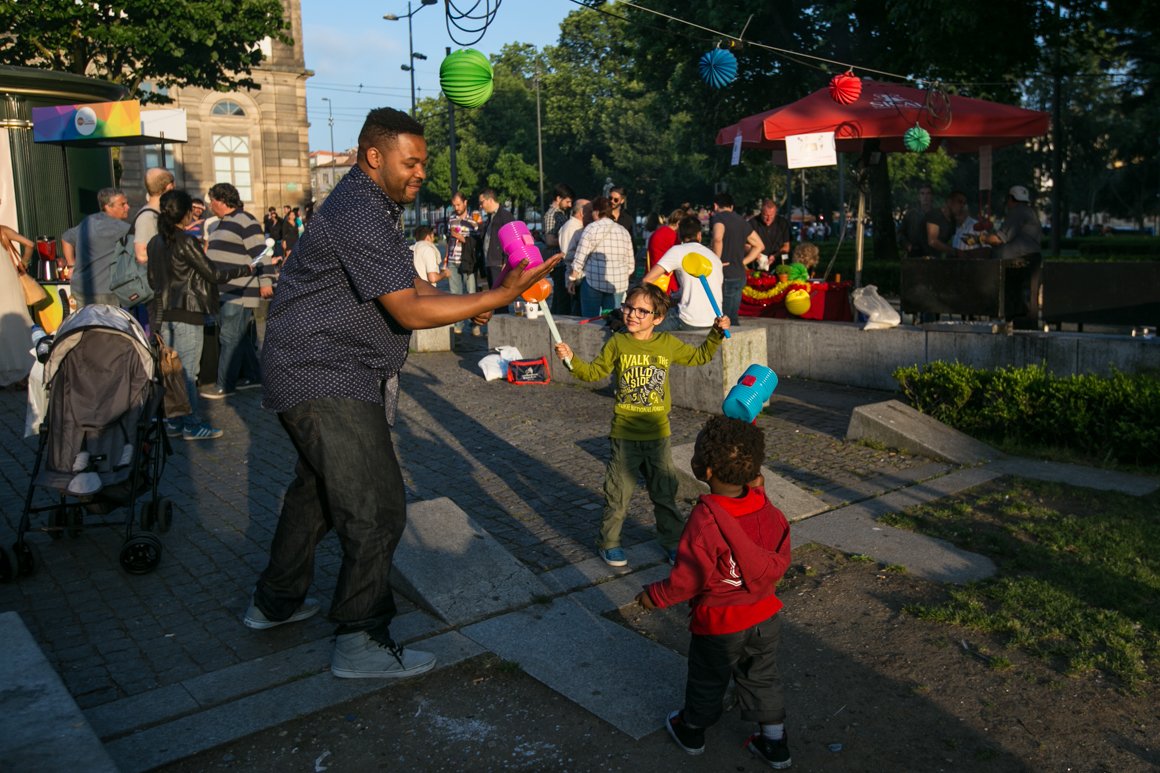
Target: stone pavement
x,y
526,463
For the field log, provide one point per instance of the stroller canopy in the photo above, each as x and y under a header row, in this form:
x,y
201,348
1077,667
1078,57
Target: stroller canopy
x,y
99,328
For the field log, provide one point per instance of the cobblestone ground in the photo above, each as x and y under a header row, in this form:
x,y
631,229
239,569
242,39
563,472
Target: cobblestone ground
x,y
525,462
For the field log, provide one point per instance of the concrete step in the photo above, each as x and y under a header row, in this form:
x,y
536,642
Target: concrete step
x,y
625,679
856,529
1078,475
41,727
450,565
896,425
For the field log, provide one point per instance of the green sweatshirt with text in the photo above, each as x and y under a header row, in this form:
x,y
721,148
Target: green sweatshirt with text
x,y
642,379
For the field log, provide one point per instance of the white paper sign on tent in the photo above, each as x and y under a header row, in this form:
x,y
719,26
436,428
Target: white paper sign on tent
x,y
736,150
803,150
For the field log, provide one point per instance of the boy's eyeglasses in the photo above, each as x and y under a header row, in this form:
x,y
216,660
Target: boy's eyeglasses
x,y
638,311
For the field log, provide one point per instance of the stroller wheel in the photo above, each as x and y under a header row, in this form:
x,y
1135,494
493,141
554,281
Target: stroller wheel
x,y
26,558
140,554
164,515
8,565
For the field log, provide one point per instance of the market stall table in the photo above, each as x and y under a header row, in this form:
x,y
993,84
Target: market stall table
x,y
762,297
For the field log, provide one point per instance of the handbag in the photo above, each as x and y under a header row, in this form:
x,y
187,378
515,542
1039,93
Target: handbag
x,y
529,372
35,296
172,380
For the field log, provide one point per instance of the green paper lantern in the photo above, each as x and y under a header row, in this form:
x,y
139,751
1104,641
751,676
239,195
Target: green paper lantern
x,y
916,139
466,78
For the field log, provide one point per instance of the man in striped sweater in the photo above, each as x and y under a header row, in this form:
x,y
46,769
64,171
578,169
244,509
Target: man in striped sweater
x,y
236,240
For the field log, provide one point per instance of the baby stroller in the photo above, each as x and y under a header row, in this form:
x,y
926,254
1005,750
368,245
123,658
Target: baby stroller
x,y
102,443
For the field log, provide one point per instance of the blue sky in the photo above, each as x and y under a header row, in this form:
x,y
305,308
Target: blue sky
x,y
356,54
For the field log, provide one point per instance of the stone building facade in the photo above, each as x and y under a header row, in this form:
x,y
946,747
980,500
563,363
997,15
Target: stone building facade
x,y
257,140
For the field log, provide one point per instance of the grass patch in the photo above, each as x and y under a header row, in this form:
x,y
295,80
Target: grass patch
x,y
1078,579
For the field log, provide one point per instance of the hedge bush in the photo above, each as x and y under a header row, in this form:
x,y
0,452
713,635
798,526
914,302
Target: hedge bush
x,y
1114,417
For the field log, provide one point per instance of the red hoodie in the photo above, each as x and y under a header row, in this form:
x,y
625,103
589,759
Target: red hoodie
x,y
731,555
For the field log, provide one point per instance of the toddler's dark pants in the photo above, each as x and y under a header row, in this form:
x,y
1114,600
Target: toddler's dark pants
x,y
750,657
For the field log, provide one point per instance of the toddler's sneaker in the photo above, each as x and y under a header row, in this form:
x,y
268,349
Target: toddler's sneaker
x,y
773,753
366,655
691,739
201,431
172,428
614,556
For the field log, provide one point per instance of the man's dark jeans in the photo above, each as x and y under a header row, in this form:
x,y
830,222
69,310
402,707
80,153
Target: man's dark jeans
x,y
731,299
348,479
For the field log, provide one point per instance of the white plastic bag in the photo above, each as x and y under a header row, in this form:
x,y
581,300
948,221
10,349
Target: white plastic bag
x,y
879,313
495,366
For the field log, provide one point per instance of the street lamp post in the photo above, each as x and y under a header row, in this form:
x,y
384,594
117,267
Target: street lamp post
x,y
411,57
330,121
451,139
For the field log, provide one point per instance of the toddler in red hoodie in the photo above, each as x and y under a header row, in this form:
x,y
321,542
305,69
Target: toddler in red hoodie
x,y
734,549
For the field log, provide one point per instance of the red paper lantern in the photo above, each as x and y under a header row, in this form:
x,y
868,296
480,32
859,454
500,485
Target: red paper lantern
x,y
845,88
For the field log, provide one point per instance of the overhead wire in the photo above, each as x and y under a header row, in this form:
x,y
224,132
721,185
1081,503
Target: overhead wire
x,y
455,17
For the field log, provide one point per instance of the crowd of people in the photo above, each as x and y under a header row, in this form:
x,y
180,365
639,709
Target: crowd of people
x,y
605,251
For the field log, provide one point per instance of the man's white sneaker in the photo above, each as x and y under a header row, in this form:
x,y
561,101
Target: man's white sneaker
x,y
256,619
362,655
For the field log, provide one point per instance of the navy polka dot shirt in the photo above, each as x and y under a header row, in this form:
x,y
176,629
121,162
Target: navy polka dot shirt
x,y
327,336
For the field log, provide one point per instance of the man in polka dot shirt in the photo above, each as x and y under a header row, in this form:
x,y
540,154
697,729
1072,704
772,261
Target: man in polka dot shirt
x,y
336,337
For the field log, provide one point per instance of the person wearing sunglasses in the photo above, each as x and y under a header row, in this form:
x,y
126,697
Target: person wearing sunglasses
x,y
640,442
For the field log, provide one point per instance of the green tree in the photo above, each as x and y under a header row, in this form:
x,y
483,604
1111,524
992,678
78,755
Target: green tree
x,y
212,44
514,178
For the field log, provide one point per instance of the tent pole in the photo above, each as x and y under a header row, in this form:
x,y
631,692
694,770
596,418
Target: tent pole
x,y
841,193
859,239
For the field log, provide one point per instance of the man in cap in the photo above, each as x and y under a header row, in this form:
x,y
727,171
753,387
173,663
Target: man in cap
x,y
1020,237
1021,233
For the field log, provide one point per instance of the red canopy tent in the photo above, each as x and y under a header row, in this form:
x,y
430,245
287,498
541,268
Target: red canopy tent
x,y
885,111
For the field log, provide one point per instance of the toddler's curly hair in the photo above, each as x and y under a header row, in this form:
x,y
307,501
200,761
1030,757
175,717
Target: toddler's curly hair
x,y
807,254
733,449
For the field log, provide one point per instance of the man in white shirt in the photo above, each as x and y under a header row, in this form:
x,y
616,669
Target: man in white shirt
x,y
694,311
568,236
428,261
603,261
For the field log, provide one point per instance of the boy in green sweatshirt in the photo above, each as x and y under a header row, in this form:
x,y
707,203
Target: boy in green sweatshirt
x,y
639,440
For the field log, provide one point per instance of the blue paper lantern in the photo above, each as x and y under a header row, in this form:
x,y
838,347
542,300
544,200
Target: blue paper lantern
x,y
718,67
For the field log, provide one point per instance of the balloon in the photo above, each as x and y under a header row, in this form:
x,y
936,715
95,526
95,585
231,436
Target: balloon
x,y
466,78
916,139
718,67
845,88
797,302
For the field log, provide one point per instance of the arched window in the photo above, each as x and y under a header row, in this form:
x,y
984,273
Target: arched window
x,y
228,107
231,163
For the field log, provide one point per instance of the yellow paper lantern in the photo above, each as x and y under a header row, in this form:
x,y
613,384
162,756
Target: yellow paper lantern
x,y
797,302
